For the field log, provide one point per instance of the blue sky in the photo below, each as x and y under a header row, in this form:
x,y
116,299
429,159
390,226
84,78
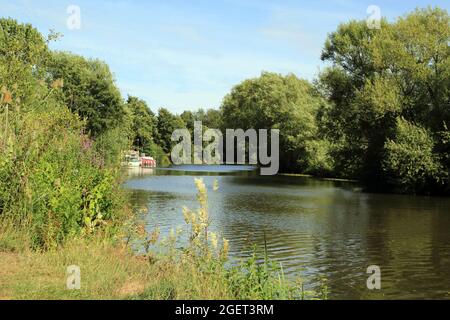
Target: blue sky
x,y
188,54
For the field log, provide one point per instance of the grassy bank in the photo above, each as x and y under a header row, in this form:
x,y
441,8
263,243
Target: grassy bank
x,y
114,272
108,271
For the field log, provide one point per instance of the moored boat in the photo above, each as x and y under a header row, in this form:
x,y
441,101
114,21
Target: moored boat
x,y
133,159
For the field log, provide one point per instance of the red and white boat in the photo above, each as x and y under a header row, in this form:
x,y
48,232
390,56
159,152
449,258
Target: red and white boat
x,y
147,162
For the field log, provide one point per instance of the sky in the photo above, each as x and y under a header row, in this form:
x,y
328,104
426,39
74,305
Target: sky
x,y
185,55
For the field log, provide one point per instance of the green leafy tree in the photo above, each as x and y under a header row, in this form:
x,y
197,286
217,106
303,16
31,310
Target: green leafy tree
x,y
23,57
89,90
409,161
400,70
273,101
167,123
213,119
143,123
189,118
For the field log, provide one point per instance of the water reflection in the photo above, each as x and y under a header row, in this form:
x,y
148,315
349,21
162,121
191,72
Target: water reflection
x,y
316,228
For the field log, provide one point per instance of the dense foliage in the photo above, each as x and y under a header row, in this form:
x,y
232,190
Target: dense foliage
x,y
287,103
89,90
379,113
166,124
389,88
55,180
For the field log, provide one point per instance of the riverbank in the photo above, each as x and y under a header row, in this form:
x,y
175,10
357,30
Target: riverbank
x,y
108,271
111,268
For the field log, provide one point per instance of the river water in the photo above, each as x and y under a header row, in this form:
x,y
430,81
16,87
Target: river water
x,y
317,229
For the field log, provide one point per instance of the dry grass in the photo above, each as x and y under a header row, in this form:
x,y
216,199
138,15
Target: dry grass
x,y
107,272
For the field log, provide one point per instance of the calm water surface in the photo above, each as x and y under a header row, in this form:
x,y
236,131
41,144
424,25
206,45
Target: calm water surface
x,y
315,228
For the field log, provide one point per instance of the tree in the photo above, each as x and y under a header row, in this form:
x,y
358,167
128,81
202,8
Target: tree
x,y
213,119
143,123
23,57
189,118
210,118
377,76
273,101
167,123
89,90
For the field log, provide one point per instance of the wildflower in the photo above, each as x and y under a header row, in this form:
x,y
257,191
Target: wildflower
x,y
203,216
186,215
202,194
7,97
143,210
225,247
193,218
86,142
213,238
140,230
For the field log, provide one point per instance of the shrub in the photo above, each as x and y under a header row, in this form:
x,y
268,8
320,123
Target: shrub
x,y
52,178
409,160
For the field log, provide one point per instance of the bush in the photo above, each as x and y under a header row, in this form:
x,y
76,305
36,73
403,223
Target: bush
x,y
409,160
54,180
318,158
52,177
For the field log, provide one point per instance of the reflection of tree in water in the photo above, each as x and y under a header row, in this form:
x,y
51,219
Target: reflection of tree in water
x,y
142,198
139,198
411,246
401,234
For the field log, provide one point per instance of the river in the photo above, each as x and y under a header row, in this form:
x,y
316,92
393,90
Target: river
x,y
317,229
